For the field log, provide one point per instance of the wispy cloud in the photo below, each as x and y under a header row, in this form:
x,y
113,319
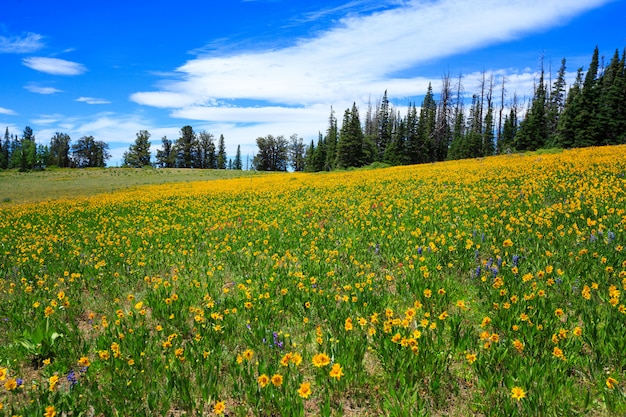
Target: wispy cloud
x,y
54,66
8,112
361,55
33,88
25,44
92,100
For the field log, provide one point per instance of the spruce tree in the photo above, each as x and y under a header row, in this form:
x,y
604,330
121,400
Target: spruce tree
x,y
567,125
185,148
330,143
610,113
426,127
588,130
350,147
166,156
533,129
413,144
138,154
237,164
555,106
221,153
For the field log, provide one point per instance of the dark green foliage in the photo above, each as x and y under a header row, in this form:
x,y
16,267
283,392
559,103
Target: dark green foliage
x,y
221,153
351,147
90,153
296,153
138,154
205,152
184,147
166,157
534,128
273,154
60,150
237,163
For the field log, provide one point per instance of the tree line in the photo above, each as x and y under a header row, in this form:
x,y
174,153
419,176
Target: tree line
x,y
190,150
592,112
25,154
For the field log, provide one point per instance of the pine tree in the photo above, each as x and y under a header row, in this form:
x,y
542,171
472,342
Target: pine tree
x,y
473,143
555,106
509,130
321,162
330,143
138,154
221,153
413,144
588,130
237,164
166,156
533,129
185,148
4,150
567,126
60,150
426,127
488,147
296,153
351,144
383,128
612,102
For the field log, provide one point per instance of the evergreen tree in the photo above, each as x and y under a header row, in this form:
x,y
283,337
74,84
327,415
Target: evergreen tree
x,y
138,154
488,147
330,143
533,129
237,164
395,153
509,130
60,150
221,153
206,158
473,142
458,147
383,129
588,129
426,127
321,161
413,145
296,153
443,132
308,157
567,126
555,106
184,148
166,156
612,103
351,145
4,150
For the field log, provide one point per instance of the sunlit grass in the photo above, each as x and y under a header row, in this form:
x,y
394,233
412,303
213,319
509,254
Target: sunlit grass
x,y
53,184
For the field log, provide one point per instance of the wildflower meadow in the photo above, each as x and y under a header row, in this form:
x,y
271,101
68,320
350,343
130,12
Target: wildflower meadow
x,y
484,287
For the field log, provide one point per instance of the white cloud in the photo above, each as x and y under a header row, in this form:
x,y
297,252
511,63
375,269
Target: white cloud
x,y
25,44
8,112
33,88
54,66
361,55
92,100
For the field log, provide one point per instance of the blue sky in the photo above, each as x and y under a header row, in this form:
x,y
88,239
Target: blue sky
x,y
249,68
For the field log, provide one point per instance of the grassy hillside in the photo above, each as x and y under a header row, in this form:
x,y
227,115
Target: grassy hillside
x,y
52,184
489,287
